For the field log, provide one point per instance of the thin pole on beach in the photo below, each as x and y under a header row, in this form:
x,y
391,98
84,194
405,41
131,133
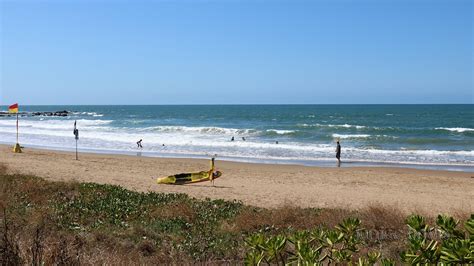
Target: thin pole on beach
x,y
17,127
14,109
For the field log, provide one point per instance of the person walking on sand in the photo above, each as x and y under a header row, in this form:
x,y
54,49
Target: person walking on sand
x,y
139,143
338,153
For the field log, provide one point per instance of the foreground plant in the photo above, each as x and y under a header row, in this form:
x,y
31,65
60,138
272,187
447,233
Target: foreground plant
x,y
443,243
317,247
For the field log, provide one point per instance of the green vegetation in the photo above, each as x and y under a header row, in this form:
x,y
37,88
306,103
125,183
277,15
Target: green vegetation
x,y
44,222
444,244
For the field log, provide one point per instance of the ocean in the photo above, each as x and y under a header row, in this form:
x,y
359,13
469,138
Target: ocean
x,y
424,136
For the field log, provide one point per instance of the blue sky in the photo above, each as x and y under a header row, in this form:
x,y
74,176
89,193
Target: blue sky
x,y
231,52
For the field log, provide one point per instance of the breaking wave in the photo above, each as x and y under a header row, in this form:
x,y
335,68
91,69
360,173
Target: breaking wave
x,y
351,136
280,131
332,126
456,129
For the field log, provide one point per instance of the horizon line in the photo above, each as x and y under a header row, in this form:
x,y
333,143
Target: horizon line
x,y
235,104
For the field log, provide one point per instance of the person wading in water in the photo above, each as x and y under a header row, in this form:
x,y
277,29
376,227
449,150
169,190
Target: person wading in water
x,y
139,143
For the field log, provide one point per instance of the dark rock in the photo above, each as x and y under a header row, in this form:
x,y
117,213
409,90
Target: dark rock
x,y
61,113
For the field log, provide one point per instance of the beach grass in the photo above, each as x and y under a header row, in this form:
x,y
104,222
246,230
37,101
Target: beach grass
x,y
45,222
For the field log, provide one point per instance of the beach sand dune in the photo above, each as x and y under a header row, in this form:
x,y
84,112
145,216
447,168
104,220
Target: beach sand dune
x,y
264,185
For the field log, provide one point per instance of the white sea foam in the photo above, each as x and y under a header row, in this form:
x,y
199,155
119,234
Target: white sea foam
x,y
85,113
280,131
406,152
89,113
200,130
331,125
54,124
351,136
455,129
347,126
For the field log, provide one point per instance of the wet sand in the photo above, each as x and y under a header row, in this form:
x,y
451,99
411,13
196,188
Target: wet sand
x,y
263,185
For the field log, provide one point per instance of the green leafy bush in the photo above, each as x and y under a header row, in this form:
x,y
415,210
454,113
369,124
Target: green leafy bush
x,y
440,244
320,246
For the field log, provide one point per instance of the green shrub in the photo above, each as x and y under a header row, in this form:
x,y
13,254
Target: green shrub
x,y
440,244
320,246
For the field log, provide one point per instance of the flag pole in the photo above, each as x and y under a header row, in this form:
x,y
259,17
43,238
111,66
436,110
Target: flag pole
x,y
17,128
17,148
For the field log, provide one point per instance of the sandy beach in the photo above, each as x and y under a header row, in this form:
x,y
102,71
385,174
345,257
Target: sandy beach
x,y
263,185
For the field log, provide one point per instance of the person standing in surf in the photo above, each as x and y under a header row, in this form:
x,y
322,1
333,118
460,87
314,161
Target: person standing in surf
x,y
338,154
139,143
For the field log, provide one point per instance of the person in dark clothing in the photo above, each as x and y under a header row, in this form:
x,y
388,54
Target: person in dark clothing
x,y
232,139
338,153
139,143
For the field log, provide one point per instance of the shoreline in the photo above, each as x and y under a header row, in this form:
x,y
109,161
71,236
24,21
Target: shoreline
x,y
326,163
262,185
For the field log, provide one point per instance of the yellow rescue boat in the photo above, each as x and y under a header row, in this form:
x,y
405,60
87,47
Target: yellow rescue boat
x,y
189,178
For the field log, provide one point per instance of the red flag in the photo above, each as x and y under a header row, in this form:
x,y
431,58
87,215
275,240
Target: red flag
x,y
13,108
